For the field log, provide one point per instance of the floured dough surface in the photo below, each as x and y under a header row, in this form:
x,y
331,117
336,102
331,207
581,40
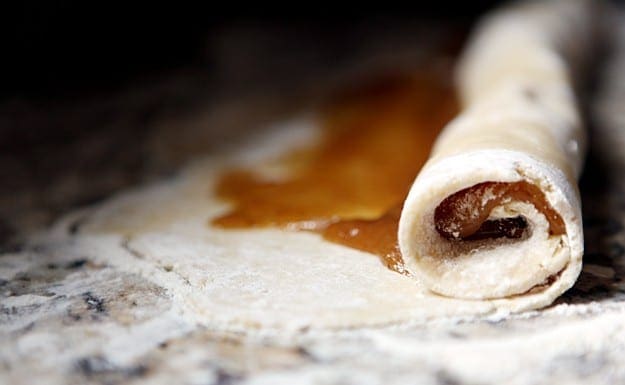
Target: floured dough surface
x,y
254,279
259,278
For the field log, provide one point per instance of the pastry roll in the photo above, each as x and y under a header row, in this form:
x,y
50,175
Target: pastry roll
x,y
495,213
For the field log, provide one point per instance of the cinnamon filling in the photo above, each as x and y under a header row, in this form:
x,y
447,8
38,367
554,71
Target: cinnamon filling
x,y
464,214
350,187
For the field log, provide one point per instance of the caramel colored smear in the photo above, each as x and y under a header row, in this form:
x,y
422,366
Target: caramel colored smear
x,y
464,214
377,236
350,187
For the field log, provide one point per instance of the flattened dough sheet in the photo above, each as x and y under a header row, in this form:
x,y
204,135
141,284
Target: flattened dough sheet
x,y
269,278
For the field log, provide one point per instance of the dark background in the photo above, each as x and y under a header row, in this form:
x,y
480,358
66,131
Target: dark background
x,y
64,48
99,96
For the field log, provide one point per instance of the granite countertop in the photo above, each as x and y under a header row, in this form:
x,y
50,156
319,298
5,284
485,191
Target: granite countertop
x,y
70,318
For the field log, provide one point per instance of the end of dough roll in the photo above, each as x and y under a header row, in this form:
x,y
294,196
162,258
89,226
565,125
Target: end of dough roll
x,y
539,263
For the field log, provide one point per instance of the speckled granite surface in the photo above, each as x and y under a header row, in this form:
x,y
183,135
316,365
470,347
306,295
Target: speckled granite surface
x,y
70,318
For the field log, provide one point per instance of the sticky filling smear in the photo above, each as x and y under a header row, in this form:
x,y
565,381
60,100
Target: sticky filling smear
x,y
350,186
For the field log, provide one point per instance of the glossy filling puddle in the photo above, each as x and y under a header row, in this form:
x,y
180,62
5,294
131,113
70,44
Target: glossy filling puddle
x,y
351,186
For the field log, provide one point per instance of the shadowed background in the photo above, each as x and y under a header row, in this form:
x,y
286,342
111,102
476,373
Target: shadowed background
x,y
90,86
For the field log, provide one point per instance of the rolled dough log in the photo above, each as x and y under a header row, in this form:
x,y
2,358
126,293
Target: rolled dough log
x,y
520,123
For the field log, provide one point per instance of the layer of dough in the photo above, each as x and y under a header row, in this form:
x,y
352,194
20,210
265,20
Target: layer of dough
x,y
257,279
